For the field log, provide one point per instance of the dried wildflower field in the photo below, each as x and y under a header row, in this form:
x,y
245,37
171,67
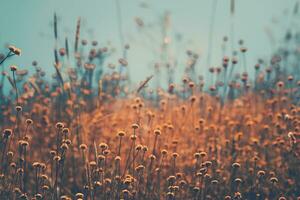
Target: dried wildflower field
x,y
88,133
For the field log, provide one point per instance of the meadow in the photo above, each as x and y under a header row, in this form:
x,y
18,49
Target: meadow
x,y
86,132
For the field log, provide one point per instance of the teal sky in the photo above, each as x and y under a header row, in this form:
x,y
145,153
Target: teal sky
x,y
27,25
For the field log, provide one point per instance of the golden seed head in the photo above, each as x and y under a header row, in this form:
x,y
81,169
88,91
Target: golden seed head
x,y
68,141
13,165
36,165
182,183
38,196
59,125
171,179
117,158
164,152
106,152
170,195
52,153
237,195
23,196
121,133
197,155
175,155
261,173
92,163
17,190
152,157
125,192
133,137
140,167
191,84
107,181
101,157
66,130
157,132
176,188
135,126
83,147
236,165
196,189
202,154
45,187
256,158
29,121
282,198
18,108
227,197
103,145
44,176
138,147
10,154
179,175
207,163
193,98
56,158
99,184
79,195
238,180
20,171
145,148
64,146
207,176
15,50
127,181
7,133
274,180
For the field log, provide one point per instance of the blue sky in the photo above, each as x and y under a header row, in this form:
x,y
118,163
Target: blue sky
x,y
27,25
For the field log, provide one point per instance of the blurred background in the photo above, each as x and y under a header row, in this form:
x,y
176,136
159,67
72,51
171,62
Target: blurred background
x,y
198,25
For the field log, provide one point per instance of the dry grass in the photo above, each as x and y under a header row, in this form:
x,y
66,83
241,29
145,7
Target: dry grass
x,y
71,139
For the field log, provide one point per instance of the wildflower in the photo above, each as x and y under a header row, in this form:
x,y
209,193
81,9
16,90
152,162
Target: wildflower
x,y
14,50
13,68
7,133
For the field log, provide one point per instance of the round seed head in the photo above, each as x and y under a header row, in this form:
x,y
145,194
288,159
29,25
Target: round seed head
x,y
18,108
236,165
135,126
64,146
273,180
13,68
121,133
79,195
175,155
66,130
164,152
59,125
29,121
157,132
138,147
38,196
133,137
57,158
83,147
145,148
7,133
103,145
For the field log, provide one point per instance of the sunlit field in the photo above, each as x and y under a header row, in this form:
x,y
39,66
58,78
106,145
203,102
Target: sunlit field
x,y
86,130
